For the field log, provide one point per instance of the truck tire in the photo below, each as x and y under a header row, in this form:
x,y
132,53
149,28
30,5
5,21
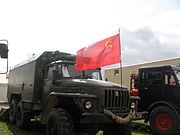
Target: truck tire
x,y
59,123
22,118
163,121
12,110
117,129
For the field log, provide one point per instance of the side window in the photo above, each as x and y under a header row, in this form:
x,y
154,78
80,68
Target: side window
x,y
142,77
95,75
65,70
169,79
116,72
155,78
152,78
50,72
166,80
172,80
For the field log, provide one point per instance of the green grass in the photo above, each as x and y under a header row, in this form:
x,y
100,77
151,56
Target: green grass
x,y
141,133
37,129
10,129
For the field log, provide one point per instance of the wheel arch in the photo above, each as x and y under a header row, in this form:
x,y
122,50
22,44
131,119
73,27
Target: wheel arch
x,y
54,100
15,96
162,103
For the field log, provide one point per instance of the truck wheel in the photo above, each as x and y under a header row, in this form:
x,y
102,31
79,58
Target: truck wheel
x,y
12,110
22,119
59,123
117,129
163,121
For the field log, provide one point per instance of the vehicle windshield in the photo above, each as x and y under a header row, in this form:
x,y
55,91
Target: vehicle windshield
x,y
69,72
177,72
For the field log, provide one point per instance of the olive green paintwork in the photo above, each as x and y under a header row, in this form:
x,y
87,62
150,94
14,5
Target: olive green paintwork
x,y
39,93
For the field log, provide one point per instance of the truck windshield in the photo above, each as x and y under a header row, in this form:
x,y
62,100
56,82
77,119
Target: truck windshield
x,y
177,72
68,71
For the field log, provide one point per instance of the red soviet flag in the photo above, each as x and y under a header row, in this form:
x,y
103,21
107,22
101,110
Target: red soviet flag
x,y
102,53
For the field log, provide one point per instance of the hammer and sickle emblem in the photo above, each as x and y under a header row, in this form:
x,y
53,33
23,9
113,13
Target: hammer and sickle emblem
x,y
108,44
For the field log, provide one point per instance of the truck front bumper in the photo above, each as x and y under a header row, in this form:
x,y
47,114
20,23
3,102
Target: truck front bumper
x,y
140,115
101,118
108,117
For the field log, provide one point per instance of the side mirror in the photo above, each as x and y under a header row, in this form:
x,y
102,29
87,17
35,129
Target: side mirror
x,y
3,49
3,56
55,76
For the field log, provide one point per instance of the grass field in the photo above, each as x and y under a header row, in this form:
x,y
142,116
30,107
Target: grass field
x,y
10,129
37,129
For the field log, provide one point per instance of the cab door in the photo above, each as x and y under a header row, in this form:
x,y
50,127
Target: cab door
x,y
48,81
171,88
150,88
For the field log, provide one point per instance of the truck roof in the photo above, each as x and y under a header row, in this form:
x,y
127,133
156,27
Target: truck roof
x,y
159,67
50,55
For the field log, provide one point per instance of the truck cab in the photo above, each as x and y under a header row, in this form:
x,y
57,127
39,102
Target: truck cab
x,y
159,83
159,92
63,71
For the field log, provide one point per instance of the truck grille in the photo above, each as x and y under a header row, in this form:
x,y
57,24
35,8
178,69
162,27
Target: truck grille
x,y
117,100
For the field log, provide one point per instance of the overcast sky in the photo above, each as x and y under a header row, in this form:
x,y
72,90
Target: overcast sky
x,y
150,29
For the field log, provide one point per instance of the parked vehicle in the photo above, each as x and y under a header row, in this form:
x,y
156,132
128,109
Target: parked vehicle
x,y
159,90
68,102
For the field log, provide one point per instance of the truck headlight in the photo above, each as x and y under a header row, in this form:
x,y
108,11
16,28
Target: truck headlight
x,y
133,105
88,105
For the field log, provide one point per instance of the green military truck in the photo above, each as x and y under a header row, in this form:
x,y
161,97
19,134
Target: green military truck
x,y
66,101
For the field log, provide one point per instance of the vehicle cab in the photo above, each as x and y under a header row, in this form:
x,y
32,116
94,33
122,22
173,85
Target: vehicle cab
x,y
159,83
65,69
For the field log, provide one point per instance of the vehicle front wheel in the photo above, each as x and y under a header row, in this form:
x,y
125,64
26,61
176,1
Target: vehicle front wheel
x,y
59,123
163,121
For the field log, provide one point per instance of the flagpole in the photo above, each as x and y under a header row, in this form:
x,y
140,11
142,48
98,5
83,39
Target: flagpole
x,y
121,73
